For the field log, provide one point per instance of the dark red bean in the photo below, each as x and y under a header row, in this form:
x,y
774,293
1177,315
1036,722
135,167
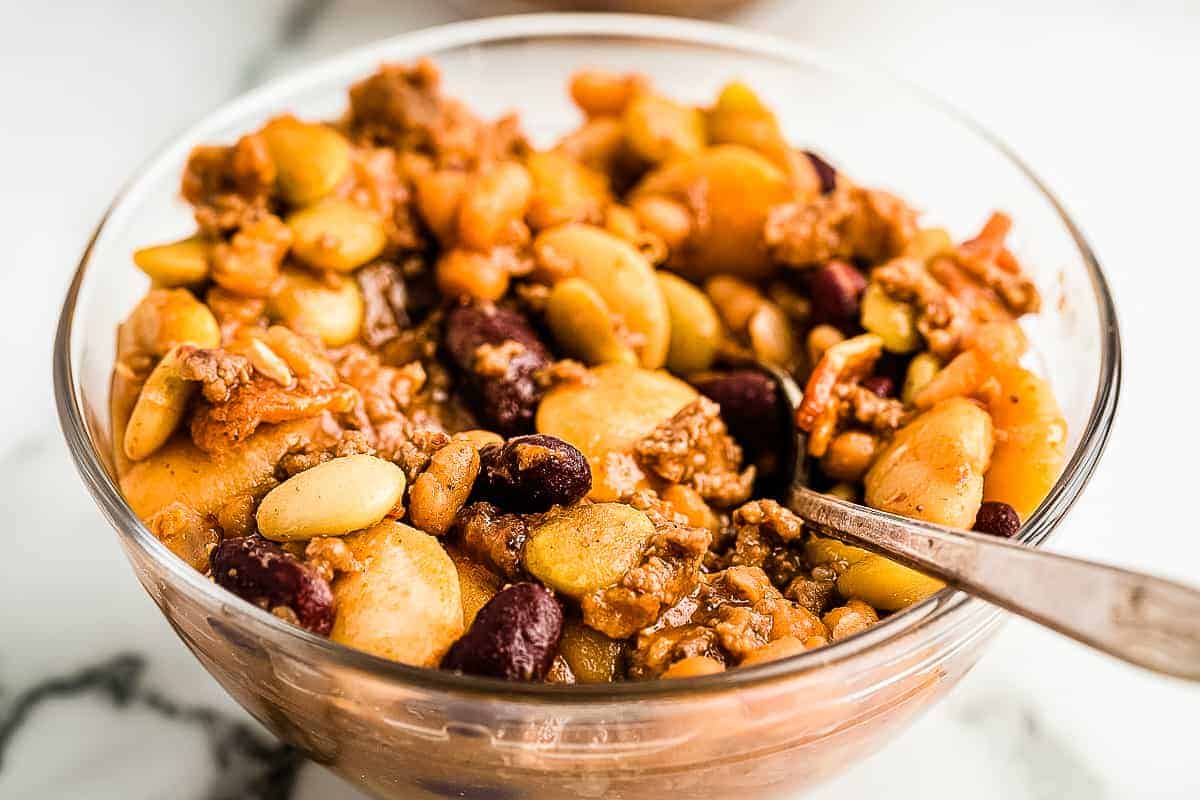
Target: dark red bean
x,y
835,289
998,519
261,572
529,474
514,636
506,402
881,385
825,171
749,401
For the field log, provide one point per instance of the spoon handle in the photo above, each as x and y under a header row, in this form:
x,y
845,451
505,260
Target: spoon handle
x,y
1148,621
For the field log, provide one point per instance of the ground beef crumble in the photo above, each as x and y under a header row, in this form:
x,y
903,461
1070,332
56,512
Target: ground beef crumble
x,y
850,223
694,448
735,612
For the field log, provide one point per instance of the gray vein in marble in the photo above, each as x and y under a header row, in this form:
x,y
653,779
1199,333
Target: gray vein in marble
x,y
1053,770
248,766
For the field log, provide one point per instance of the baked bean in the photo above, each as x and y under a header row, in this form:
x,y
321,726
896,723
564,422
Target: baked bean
x,y
565,190
836,288
849,455
601,93
659,129
492,202
479,438
735,299
439,195
854,617
442,489
260,572
820,339
468,274
669,220
771,337
693,667
331,499
784,647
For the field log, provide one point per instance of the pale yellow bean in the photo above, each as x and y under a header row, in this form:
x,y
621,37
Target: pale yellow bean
x,y
332,309
891,320
182,263
168,317
620,275
587,547
159,409
310,158
331,499
336,234
564,190
583,326
771,336
405,603
933,467
921,370
695,328
660,129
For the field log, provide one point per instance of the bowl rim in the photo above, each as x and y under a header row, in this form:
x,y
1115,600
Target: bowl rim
x,y
945,606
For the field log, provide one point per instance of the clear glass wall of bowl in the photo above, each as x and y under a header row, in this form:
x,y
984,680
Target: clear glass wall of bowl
x,y
761,732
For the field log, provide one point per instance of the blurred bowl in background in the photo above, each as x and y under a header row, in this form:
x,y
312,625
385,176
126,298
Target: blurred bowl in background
x,y
401,732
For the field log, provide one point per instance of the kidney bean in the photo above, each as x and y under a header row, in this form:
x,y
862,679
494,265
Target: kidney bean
x,y
825,171
529,474
262,573
505,399
749,402
998,519
881,385
836,289
514,636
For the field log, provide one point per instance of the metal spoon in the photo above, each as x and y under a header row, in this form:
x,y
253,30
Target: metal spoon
x,y
1148,621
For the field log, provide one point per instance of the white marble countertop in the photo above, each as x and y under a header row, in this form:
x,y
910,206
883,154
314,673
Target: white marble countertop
x,y
1098,96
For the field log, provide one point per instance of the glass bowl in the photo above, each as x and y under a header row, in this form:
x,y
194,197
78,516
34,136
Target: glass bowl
x,y
770,730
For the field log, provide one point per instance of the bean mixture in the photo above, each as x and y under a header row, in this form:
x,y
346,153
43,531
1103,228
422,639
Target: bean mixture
x,y
444,397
